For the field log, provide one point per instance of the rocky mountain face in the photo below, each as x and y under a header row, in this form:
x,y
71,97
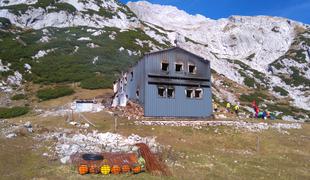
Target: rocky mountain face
x,y
55,41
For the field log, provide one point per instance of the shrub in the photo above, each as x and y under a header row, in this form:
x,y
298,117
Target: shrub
x,y
52,93
13,112
280,90
18,97
98,82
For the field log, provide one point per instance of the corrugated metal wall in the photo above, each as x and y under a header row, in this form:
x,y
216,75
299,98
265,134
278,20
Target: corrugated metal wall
x,y
180,105
136,82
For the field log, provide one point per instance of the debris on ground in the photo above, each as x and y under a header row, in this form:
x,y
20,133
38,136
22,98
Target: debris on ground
x,y
153,165
253,127
68,144
130,111
9,130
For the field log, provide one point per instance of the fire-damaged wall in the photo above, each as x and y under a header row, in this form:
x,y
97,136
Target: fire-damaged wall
x,y
171,83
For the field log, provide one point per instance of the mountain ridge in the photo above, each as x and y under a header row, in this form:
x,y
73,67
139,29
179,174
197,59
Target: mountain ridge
x,y
258,52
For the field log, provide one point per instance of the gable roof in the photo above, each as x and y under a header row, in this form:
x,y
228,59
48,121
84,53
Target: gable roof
x,y
178,48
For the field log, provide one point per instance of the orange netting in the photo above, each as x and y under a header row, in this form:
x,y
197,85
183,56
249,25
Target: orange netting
x,y
153,165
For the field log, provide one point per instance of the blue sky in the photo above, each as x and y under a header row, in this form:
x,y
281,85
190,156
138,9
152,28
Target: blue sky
x,y
294,9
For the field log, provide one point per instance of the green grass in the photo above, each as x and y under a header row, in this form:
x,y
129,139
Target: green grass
x,y
18,97
13,112
53,93
97,82
280,90
258,96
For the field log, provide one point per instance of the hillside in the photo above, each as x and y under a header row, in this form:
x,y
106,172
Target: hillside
x,y
65,41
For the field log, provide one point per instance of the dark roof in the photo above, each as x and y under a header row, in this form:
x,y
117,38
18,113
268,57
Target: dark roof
x,y
174,48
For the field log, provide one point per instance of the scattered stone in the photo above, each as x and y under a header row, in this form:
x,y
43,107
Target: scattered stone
x,y
11,135
69,144
253,127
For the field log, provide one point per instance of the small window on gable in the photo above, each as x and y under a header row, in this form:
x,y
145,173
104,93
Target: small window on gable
x,y
170,92
189,93
192,69
198,93
164,66
178,67
161,91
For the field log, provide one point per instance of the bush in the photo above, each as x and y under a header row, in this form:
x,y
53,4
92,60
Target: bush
x,y
13,112
98,82
18,97
52,93
280,90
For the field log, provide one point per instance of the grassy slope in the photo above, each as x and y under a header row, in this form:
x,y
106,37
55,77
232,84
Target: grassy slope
x,y
207,153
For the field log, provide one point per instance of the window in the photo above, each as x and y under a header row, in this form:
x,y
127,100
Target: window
x,y
194,93
164,66
131,75
178,67
170,92
189,93
137,93
161,91
192,69
198,93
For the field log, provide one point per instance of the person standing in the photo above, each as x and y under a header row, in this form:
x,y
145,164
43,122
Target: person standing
x,y
236,108
228,107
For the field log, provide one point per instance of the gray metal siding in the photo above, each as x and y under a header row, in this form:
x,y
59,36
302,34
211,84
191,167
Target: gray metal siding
x,y
181,105
136,82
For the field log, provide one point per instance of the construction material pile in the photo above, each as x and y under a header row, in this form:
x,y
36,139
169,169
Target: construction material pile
x,y
253,127
131,110
153,165
69,143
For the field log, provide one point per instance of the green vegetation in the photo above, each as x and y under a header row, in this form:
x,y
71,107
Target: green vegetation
x,y
280,90
63,7
97,82
250,57
52,93
18,9
258,96
13,112
18,97
5,23
194,42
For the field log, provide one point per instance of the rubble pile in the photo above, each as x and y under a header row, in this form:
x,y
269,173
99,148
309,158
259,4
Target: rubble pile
x,y
69,144
131,110
253,127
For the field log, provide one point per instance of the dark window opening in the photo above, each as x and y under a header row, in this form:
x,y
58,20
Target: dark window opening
x,y
161,91
137,93
170,92
189,93
131,75
198,93
192,69
164,66
178,67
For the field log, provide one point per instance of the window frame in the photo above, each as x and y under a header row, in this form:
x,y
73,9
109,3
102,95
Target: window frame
x,y
164,92
201,93
195,68
182,67
189,89
161,66
173,92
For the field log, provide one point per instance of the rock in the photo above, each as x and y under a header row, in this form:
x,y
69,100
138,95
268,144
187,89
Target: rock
x,y
11,135
65,159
